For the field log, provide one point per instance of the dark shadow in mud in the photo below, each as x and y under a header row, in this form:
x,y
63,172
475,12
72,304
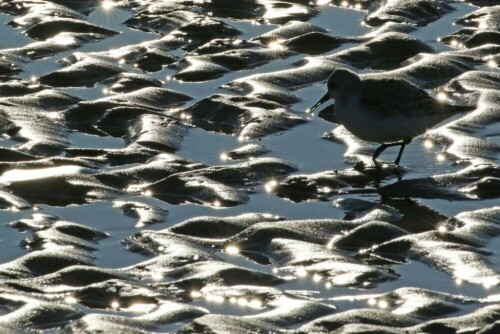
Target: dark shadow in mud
x,y
416,217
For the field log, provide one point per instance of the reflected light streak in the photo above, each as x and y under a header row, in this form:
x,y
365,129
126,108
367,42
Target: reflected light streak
x,y
325,190
62,39
157,276
40,217
34,174
141,308
215,299
490,281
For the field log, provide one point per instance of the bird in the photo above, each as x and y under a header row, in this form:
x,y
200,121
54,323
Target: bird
x,y
386,110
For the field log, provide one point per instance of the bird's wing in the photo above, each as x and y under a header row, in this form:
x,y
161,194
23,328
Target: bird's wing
x,y
392,97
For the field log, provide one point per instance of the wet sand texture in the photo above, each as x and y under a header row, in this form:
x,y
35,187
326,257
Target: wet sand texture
x,y
159,173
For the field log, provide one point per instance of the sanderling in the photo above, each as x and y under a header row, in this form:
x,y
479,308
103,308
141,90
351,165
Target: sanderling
x,y
388,111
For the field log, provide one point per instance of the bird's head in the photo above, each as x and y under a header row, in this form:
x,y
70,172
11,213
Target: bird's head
x,y
338,81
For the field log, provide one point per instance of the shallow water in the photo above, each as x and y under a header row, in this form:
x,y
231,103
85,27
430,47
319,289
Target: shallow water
x,y
298,261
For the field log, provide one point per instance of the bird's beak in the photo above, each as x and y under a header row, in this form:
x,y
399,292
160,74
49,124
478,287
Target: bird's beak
x,y
320,102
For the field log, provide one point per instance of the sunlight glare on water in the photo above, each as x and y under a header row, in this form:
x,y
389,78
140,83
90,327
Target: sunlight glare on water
x,y
159,162
16,175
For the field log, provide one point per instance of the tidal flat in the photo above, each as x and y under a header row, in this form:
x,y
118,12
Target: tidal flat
x,y
160,173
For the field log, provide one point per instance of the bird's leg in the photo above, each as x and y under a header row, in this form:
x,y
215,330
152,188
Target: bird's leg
x,y
377,152
396,162
403,144
382,147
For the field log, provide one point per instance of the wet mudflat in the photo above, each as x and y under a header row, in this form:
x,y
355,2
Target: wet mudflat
x,y
159,173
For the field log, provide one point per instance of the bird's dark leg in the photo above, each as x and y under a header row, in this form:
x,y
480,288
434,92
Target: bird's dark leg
x,y
382,147
396,162
403,144
377,152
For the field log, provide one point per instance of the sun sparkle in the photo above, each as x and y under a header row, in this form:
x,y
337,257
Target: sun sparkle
x,y
196,294
276,45
442,229
255,303
442,96
215,299
301,272
70,300
383,304
108,4
157,276
141,308
233,250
